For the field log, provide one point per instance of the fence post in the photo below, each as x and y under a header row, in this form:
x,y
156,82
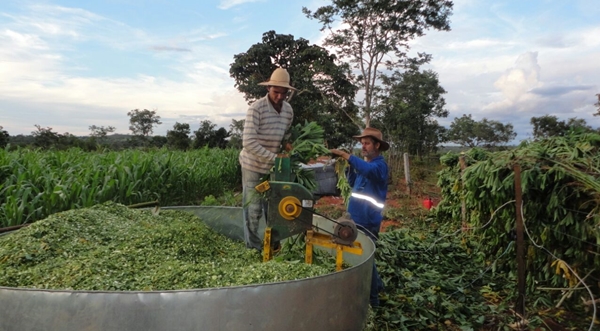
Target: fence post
x,y
520,304
463,207
407,173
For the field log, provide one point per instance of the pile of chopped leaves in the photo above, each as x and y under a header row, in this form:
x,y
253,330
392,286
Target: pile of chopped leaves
x,y
110,247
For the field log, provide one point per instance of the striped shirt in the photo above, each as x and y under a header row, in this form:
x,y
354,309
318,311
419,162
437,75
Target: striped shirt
x,y
264,130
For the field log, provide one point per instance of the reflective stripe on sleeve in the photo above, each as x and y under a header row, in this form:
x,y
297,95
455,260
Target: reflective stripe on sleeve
x,y
367,198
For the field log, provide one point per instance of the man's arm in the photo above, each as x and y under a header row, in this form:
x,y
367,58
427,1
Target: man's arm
x,y
375,170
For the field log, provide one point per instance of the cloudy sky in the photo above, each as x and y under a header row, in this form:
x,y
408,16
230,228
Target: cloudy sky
x,y
70,64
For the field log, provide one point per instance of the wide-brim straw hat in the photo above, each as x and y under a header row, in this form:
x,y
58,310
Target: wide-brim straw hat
x,y
280,77
375,134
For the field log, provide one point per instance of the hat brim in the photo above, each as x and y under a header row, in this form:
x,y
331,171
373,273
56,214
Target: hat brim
x,y
280,84
384,145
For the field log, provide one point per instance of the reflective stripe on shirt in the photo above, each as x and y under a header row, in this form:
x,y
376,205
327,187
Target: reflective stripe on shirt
x,y
367,198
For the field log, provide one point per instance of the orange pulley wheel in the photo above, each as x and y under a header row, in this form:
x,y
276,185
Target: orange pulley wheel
x,y
289,208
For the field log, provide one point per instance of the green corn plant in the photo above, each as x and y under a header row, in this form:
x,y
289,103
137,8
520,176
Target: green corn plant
x,y
35,183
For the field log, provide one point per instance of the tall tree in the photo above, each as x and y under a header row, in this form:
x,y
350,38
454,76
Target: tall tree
x,y
142,122
410,105
236,129
326,94
219,139
179,137
373,34
204,134
4,137
597,104
550,126
44,137
547,126
467,132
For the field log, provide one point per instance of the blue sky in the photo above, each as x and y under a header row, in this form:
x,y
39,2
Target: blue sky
x,y
72,64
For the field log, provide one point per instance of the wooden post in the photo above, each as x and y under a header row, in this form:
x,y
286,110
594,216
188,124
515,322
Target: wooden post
x,y
520,304
407,173
463,206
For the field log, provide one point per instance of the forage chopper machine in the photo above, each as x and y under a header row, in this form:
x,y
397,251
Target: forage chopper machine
x,y
290,209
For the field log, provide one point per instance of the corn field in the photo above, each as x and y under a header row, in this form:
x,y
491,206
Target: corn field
x,y
35,183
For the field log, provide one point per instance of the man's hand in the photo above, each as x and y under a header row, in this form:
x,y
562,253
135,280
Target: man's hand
x,y
288,147
341,153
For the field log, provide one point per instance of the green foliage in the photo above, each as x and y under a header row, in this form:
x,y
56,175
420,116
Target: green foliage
x,y
100,132
410,106
142,122
432,282
561,203
236,130
4,137
376,34
227,198
44,137
465,131
35,184
179,137
207,136
307,144
325,93
549,126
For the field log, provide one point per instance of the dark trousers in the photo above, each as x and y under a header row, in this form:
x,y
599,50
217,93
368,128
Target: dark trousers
x,y
376,282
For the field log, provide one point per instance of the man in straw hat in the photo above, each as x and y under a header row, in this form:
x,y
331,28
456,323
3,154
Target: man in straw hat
x,y
267,120
368,179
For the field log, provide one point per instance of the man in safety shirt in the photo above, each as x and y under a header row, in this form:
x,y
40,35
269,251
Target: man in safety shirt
x,y
368,179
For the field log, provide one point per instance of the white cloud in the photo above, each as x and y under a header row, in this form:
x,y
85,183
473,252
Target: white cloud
x,y
226,4
40,73
517,81
481,44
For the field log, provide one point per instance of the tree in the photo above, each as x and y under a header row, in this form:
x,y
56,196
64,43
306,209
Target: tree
x,y
158,141
179,137
376,33
236,129
98,133
410,104
467,132
142,122
597,104
219,139
549,126
4,137
326,93
44,137
204,134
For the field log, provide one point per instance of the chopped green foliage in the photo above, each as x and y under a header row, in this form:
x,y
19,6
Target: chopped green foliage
x,y
112,247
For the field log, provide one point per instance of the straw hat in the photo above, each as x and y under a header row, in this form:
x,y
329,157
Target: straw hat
x,y
279,77
375,134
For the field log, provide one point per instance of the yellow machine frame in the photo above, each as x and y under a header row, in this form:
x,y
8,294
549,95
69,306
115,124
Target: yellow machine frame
x,y
319,239
325,240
